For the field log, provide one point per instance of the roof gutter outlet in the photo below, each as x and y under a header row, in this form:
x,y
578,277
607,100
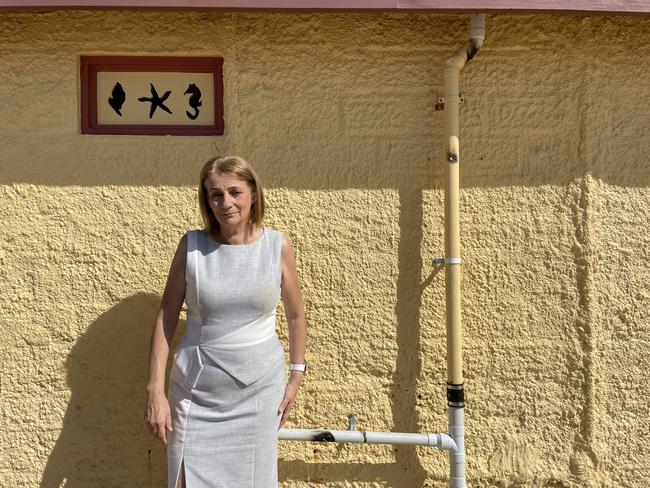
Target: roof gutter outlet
x,y
455,391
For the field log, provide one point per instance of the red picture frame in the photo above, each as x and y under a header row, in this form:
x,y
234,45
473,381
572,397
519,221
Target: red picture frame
x,y
91,65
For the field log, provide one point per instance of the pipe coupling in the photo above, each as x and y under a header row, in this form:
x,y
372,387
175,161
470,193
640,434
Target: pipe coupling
x,y
455,395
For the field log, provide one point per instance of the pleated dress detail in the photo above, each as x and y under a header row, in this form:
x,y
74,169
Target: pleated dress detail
x,y
228,374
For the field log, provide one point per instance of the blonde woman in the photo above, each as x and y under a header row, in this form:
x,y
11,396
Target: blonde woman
x,y
228,392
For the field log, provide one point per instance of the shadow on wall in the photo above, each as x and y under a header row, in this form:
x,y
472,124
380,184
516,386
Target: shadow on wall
x,y
104,441
386,474
407,470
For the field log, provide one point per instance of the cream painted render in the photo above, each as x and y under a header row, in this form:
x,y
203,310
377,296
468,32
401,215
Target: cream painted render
x,y
336,111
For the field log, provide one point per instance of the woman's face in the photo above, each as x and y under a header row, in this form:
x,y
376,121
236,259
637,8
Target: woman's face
x,y
229,198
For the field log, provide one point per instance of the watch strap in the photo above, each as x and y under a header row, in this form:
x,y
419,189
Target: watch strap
x,y
298,367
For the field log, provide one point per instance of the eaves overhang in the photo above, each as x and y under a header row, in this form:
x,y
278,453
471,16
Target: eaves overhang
x,y
486,6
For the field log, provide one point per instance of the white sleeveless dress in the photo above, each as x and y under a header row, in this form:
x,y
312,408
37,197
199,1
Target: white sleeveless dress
x,y
228,377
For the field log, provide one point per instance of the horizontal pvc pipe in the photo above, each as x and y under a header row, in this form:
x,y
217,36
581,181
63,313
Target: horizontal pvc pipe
x,y
442,441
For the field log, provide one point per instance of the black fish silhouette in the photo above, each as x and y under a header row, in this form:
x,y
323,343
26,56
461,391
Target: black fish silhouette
x,y
118,98
195,100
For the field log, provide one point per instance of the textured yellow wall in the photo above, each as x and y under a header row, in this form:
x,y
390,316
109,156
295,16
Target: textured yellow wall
x,y
337,113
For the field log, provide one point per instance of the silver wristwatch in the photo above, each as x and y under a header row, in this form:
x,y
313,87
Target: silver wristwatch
x,y
298,367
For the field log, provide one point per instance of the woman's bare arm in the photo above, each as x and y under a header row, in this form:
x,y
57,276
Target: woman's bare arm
x,y
157,413
294,309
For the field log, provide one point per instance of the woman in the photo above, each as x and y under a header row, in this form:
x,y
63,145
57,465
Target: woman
x,y
228,393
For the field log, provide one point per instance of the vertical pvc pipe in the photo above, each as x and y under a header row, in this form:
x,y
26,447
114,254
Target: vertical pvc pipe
x,y
452,222
457,477
455,392
455,397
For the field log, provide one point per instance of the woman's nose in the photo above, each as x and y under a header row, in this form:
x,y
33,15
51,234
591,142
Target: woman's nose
x,y
227,200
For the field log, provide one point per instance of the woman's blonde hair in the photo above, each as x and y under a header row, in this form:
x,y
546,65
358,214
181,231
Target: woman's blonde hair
x,y
241,169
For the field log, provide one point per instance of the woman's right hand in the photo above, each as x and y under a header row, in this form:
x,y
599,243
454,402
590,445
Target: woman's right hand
x,y
157,416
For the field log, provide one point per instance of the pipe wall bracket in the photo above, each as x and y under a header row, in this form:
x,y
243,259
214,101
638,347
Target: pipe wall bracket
x,y
443,100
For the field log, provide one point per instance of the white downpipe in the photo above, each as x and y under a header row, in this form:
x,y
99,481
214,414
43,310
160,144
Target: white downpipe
x,y
457,477
455,391
442,441
477,29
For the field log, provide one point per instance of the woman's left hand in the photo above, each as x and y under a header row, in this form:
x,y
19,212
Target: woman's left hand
x,y
285,407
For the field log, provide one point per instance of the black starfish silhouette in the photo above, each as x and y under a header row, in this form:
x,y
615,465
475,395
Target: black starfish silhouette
x,y
156,101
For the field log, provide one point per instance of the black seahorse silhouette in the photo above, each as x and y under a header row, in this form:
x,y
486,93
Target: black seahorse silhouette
x,y
195,100
156,101
118,97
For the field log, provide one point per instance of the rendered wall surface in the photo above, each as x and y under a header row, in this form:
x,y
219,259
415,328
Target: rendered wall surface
x,y
336,111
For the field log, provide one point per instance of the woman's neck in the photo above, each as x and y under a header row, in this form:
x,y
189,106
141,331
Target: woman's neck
x,y
236,235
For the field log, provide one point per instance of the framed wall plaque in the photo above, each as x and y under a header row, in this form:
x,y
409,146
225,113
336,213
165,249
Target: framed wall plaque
x,y
152,95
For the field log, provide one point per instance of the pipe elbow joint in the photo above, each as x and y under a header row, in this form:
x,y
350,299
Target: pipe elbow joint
x,y
458,60
443,441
